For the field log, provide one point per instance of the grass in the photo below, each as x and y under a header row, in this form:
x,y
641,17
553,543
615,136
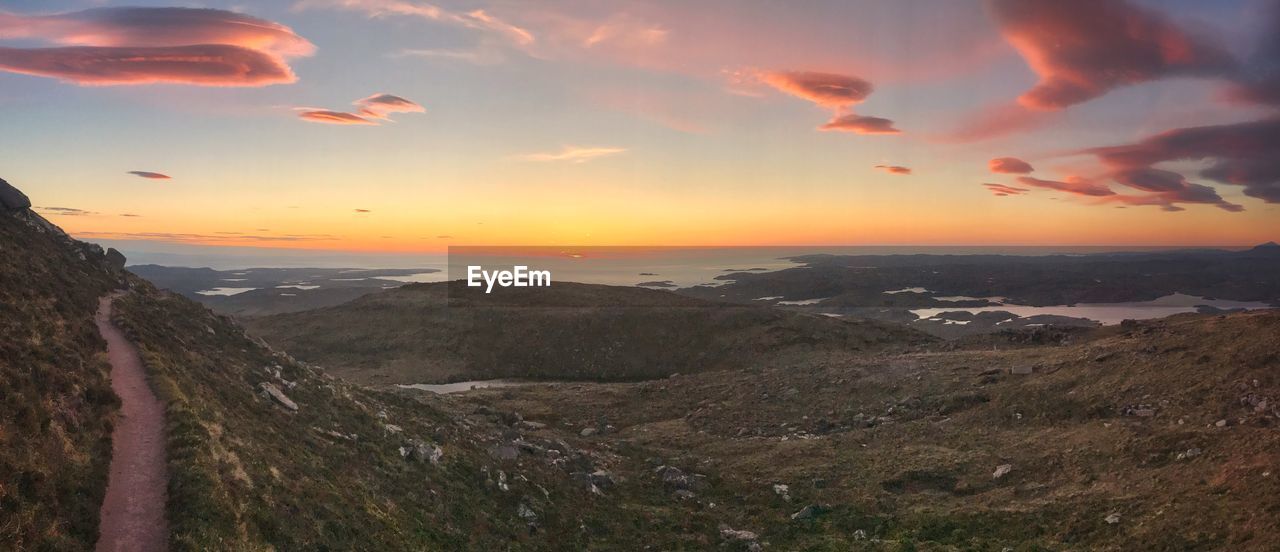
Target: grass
x,y
56,403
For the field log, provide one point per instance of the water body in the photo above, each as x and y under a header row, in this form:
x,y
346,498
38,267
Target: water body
x,y
225,291
1109,313
461,386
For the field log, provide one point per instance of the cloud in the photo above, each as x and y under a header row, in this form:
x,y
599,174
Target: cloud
x,y
130,46
894,169
1009,165
369,111
834,91
363,211
1003,190
150,175
1171,187
379,106
1259,78
860,124
996,121
1242,154
476,19
1072,185
217,237
573,154
65,211
1085,48
130,215
333,117
825,89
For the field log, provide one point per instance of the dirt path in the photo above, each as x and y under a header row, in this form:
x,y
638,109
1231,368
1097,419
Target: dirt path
x,y
132,517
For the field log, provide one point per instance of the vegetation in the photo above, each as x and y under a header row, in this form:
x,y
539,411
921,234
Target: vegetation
x,y
56,404
447,332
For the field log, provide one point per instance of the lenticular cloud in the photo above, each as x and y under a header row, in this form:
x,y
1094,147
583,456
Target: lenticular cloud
x,y
129,46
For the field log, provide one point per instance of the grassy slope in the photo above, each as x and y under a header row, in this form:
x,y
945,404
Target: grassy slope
x,y
247,474
570,331
56,404
919,474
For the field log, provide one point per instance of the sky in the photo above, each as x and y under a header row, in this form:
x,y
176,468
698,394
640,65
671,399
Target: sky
x,y
408,126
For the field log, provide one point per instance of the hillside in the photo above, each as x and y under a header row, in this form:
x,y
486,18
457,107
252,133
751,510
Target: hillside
x,y
447,332
1161,435
55,400
267,453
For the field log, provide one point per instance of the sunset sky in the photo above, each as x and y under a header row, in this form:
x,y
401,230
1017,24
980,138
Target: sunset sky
x,y
402,125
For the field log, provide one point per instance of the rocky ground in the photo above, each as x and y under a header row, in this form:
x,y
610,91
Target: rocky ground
x,y
1159,435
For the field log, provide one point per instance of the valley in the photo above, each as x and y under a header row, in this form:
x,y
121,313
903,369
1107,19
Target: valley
x,y
631,415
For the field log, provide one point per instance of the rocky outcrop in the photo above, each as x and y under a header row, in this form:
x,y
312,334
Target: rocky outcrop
x,y
12,199
270,391
115,258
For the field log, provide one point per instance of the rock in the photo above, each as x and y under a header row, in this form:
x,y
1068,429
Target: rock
x,y
783,491
809,512
1021,370
115,258
860,534
1002,470
423,451
684,494
1189,454
532,426
588,431
1112,519
12,199
602,479
527,514
675,478
1221,423
269,390
1144,412
587,481
505,452
736,534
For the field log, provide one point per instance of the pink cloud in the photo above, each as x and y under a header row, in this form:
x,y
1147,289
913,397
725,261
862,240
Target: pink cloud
x,y
1009,165
333,117
825,89
369,111
1083,49
1003,190
206,65
894,169
860,124
379,106
1242,154
478,19
119,46
1072,185
994,122
834,91
149,174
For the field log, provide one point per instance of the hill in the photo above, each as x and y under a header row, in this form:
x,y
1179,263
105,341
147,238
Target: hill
x,y
448,332
55,399
1159,435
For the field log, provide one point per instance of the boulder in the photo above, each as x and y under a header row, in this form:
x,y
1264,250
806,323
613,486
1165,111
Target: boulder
x,y
115,258
270,391
12,199
505,452
423,451
809,512
1002,470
